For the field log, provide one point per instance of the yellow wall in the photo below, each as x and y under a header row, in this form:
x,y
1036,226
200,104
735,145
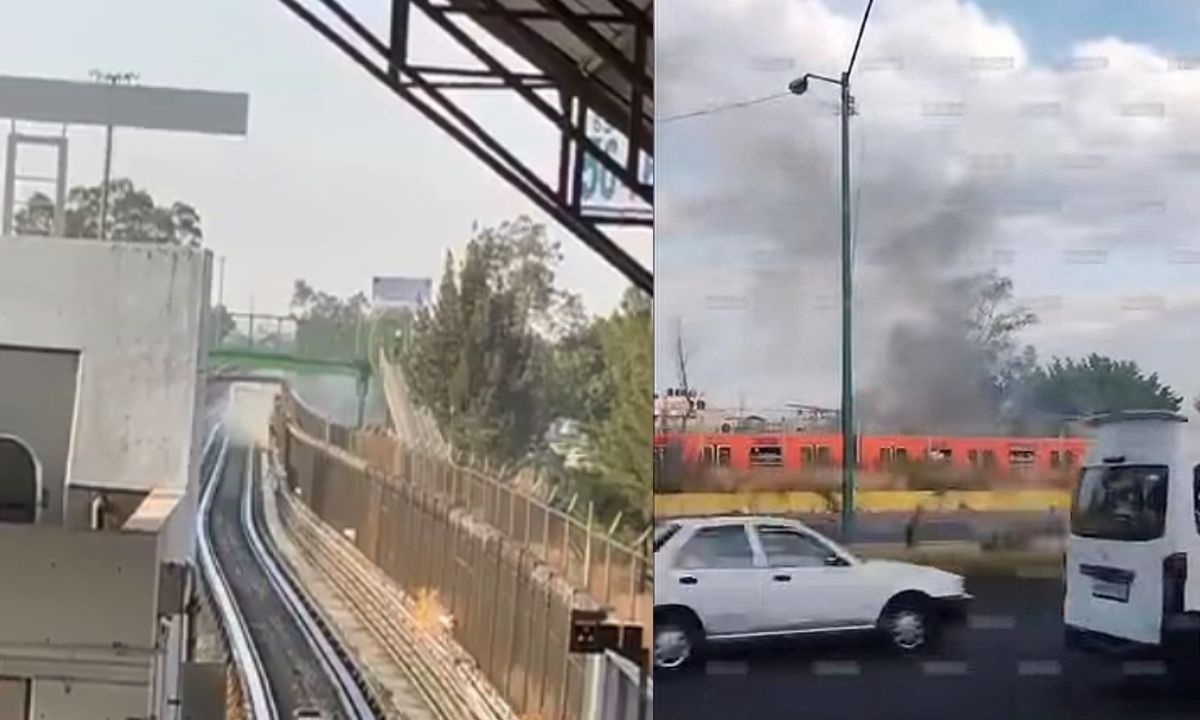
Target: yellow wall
x,y
668,505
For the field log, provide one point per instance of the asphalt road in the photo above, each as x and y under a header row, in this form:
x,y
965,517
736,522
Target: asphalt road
x,y
1005,663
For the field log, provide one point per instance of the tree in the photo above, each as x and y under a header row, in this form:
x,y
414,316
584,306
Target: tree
x,y
622,436
580,384
1073,388
223,323
311,304
477,359
132,216
993,321
959,366
327,326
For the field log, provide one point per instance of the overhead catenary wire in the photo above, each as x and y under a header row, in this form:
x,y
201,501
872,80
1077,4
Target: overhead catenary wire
x,y
724,107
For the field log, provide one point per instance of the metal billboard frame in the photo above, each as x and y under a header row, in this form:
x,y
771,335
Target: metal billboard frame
x,y
581,89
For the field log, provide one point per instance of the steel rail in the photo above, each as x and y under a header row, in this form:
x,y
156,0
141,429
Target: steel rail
x,y
351,696
245,654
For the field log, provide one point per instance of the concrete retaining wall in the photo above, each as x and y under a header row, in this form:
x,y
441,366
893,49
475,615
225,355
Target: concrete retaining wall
x,y
676,504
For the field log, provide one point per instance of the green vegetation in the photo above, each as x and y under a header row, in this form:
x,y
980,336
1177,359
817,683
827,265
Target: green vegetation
x,y
1037,398
504,353
133,215
1099,384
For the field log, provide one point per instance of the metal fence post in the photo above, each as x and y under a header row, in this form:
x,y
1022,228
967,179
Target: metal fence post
x,y
587,548
566,548
545,652
495,605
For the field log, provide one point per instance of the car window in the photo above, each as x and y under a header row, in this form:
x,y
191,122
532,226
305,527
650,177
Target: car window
x,y
786,547
720,546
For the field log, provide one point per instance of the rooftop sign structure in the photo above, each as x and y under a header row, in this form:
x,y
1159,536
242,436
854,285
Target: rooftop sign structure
x,y
400,292
69,102
137,106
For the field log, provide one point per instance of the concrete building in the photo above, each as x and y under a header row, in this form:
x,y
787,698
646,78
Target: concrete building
x,y
101,374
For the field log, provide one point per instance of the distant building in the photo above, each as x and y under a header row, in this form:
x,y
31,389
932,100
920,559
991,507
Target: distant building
x,y
396,293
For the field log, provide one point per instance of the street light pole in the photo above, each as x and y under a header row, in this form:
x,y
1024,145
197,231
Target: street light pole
x,y
110,79
849,443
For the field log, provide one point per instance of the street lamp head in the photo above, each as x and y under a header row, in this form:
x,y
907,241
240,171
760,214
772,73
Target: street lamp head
x,y
798,86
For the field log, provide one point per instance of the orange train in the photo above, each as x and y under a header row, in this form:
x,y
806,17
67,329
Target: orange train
x,y
793,451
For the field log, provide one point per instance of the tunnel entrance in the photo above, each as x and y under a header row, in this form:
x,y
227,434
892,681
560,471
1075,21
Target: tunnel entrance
x,y
19,482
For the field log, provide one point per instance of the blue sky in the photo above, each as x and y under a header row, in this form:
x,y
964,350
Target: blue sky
x,y
338,179
1050,26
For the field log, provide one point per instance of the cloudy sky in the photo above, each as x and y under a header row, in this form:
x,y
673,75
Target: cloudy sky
x,y
1056,143
338,179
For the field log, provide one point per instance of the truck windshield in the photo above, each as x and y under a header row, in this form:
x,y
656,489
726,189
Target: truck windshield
x,y
1121,502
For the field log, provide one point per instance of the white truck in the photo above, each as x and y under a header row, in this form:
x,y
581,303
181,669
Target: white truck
x,y
1133,557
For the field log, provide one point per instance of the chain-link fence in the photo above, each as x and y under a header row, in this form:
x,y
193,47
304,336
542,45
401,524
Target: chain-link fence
x,y
507,568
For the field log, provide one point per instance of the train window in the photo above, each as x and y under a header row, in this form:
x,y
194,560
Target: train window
x,y
709,455
1069,456
723,455
973,457
1021,458
941,454
1055,458
886,455
824,456
766,456
806,454
989,459
901,455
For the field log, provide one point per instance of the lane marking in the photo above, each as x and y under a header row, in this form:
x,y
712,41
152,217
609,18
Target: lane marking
x,y
836,667
718,667
944,667
1039,667
1144,668
992,622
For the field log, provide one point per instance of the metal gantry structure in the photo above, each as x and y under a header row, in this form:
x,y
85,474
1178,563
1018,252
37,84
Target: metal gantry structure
x,y
591,59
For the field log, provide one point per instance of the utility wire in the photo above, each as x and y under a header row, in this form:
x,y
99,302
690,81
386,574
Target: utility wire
x,y
721,108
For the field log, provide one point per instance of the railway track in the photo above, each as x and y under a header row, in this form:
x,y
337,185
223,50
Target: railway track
x,y
286,660
442,673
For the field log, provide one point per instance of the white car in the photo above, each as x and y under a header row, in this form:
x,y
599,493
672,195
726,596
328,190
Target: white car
x,y
734,578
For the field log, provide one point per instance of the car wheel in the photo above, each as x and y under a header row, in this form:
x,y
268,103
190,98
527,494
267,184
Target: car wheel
x,y
908,624
676,641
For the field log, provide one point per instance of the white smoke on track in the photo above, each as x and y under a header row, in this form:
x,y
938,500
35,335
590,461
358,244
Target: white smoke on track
x,y
247,416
